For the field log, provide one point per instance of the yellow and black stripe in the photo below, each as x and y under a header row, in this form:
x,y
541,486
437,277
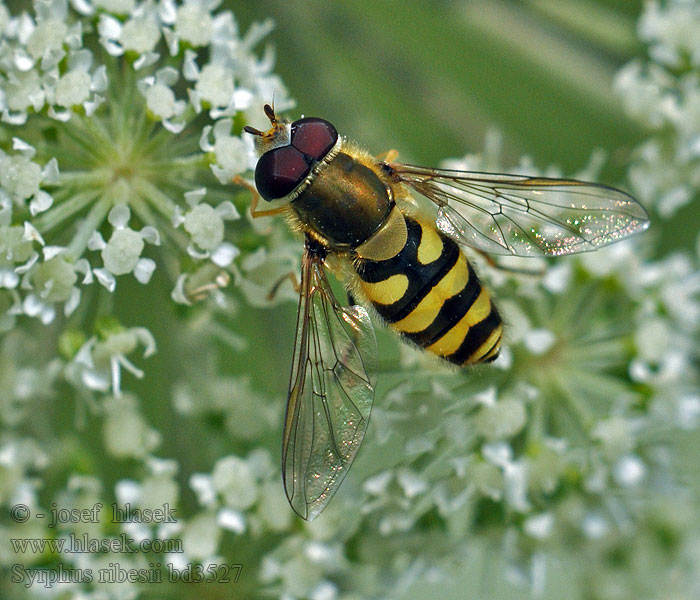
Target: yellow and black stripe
x,y
429,293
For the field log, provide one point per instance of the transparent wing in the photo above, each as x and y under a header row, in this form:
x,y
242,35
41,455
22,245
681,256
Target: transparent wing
x,y
331,391
525,216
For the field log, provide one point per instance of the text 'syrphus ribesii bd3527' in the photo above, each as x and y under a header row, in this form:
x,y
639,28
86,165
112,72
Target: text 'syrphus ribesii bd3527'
x,y
358,217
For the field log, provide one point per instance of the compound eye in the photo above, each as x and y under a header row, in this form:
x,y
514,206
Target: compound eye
x,y
279,171
313,136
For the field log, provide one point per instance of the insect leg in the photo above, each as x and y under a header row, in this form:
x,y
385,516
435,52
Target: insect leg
x,y
292,276
238,180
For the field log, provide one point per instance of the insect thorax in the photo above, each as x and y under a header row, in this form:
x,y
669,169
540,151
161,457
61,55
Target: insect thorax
x,y
345,203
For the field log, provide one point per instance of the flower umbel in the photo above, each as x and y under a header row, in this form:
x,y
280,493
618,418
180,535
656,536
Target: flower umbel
x,y
108,110
567,468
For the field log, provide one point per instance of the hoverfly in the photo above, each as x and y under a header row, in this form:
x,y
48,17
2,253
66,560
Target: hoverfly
x,y
357,211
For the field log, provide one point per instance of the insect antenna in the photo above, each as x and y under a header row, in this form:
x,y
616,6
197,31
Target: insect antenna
x,y
270,113
249,129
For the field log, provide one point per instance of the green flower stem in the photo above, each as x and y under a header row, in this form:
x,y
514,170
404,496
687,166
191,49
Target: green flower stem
x,y
226,336
582,417
145,214
162,202
100,142
193,160
439,467
64,210
97,214
159,140
536,423
82,150
601,354
84,179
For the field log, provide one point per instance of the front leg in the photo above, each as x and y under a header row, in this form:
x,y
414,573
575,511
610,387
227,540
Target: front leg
x,y
254,212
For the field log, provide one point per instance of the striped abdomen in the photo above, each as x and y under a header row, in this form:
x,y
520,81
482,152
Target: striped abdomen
x,y
429,294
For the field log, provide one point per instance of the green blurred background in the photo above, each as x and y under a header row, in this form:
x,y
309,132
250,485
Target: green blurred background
x,y
430,77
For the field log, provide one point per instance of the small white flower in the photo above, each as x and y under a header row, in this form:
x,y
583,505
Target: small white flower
x,y
140,34
232,520
194,24
215,85
652,338
688,412
33,306
514,474
73,88
99,363
395,524
203,487
233,155
539,526
595,526
161,101
234,481
557,278
14,247
224,254
159,488
324,591
616,435
127,491
205,226
41,202
411,483
378,484
200,537
539,341
110,30
629,470
125,431
47,40
19,176
22,90
54,279
123,251
501,419
119,7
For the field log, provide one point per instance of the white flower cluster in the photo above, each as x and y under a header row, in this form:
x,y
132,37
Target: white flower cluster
x,y
139,127
97,364
121,124
46,64
32,49
665,95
